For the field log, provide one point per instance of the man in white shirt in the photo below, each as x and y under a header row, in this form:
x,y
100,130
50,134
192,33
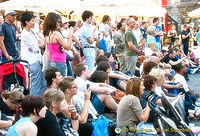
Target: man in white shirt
x,y
100,91
179,77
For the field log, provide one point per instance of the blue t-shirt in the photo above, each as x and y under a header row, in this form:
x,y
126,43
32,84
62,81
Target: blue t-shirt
x,y
86,32
158,29
198,36
9,34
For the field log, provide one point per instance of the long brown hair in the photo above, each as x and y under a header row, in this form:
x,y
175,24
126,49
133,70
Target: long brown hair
x,y
50,23
133,86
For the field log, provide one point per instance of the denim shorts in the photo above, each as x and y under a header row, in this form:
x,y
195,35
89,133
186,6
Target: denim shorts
x,y
62,66
97,103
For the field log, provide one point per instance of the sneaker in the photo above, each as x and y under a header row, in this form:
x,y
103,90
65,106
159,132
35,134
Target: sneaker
x,y
195,70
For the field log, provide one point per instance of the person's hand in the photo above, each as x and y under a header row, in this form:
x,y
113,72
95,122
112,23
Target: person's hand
x,y
72,110
179,85
9,57
71,31
87,94
30,49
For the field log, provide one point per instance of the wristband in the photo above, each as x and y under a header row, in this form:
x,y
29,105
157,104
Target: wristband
x,y
75,118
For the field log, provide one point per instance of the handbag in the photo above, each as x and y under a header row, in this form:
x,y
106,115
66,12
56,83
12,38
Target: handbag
x,y
100,126
117,96
65,126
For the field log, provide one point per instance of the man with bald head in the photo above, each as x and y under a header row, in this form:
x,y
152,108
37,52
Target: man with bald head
x,y
131,46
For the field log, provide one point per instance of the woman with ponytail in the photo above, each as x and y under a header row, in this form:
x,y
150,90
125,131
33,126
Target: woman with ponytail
x,y
31,111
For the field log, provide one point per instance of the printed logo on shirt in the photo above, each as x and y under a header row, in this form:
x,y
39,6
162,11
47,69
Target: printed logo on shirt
x,y
118,130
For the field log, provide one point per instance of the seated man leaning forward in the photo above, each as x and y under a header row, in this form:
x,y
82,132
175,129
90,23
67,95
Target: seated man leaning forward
x,y
100,91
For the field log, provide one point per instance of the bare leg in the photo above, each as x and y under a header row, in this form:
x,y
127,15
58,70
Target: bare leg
x,y
108,101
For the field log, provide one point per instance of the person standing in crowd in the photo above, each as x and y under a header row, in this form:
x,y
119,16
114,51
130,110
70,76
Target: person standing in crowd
x,y
30,51
88,40
105,31
159,32
185,39
143,28
55,41
33,109
172,34
119,40
131,46
8,37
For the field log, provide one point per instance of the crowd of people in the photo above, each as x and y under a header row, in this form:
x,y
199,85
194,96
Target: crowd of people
x,y
78,67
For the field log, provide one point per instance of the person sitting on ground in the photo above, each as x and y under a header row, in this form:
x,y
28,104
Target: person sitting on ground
x,y
11,101
83,106
53,77
170,58
115,80
33,109
56,103
130,111
100,91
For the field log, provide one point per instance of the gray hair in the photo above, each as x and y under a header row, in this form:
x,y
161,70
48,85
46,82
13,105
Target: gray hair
x,y
130,20
151,30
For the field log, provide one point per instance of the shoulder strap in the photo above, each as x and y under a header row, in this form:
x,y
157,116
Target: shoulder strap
x,y
53,37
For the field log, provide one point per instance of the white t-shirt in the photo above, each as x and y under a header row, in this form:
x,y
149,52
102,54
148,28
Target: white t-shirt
x,y
158,90
179,78
29,40
106,28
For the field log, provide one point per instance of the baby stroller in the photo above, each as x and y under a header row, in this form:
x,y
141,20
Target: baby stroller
x,y
169,120
12,72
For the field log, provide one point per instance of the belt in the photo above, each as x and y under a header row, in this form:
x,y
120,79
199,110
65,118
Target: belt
x,y
88,47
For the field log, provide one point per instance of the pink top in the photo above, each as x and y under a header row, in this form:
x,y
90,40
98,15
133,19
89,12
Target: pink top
x,y
55,55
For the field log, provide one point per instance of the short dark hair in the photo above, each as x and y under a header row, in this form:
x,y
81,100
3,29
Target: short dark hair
x,y
119,25
179,66
105,18
149,81
143,23
122,20
108,54
26,16
79,69
66,83
99,76
103,65
101,58
155,20
49,74
86,14
30,105
171,51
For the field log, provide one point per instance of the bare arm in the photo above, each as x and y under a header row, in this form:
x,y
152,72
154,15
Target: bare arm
x,y
185,36
175,62
117,76
66,45
102,90
132,47
152,46
4,124
3,48
144,117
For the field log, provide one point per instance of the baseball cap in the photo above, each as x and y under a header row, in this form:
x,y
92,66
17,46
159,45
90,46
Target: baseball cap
x,y
12,12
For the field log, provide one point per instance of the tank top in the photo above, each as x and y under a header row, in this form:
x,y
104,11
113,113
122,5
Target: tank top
x,y
12,130
55,55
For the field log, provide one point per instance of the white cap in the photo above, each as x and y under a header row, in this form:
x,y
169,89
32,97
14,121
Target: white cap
x,y
12,12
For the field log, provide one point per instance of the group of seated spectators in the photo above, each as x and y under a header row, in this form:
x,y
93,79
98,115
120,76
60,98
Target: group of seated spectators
x,y
77,99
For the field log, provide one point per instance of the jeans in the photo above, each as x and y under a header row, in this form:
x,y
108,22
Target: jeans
x,y
38,83
62,66
185,48
131,63
89,54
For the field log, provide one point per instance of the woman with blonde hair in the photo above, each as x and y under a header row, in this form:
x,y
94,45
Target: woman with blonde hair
x,y
55,101
129,110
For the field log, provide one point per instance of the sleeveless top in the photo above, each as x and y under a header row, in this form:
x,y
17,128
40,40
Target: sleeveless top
x,y
55,55
12,130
